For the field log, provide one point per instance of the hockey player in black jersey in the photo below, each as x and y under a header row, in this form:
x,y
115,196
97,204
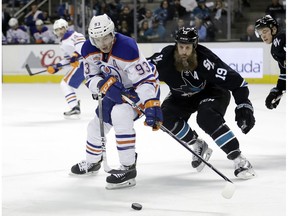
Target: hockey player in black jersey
x,y
199,81
268,29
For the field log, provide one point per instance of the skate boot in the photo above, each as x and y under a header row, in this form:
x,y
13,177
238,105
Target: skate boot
x,y
84,168
123,180
200,148
243,168
74,113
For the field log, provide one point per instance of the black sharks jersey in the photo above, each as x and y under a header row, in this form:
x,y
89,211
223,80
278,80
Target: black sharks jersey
x,y
278,51
211,71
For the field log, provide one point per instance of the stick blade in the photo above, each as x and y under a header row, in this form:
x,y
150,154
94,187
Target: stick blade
x,y
228,190
28,70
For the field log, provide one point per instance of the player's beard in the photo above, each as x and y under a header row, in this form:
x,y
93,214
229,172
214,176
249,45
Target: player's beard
x,y
188,64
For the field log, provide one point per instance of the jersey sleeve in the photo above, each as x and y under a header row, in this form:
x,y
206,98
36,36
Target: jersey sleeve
x,y
279,50
79,40
91,70
144,77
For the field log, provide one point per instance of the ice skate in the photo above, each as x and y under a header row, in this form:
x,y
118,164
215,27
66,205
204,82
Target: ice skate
x,y
84,168
116,181
243,168
202,149
74,113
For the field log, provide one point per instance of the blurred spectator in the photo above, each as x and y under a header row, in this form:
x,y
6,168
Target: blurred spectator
x,y
180,24
202,30
124,28
277,11
250,34
178,11
143,28
157,32
147,18
204,13
34,15
189,5
17,34
246,3
46,18
201,10
115,8
163,12
63,12
96,7
219,18
5,19
125,15
4,40
41,34
141,11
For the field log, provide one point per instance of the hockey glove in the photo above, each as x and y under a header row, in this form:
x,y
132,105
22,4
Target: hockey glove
x,y
74,59
153,113
273,99
111,88
244,117
54,68
107,106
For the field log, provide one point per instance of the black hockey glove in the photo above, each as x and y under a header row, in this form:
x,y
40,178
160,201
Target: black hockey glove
x,y
244,117
273,99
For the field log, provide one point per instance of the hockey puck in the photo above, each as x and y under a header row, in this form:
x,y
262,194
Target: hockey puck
x,y
136,206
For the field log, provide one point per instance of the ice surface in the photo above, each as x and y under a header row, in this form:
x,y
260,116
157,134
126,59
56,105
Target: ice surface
x,y
39,147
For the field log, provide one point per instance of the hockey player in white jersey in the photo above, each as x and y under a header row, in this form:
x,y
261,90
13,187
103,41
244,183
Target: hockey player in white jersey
x,y
17,34
41,33
114,66
71,43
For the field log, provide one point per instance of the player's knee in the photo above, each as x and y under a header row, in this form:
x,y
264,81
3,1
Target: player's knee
x,y
122,116
209,120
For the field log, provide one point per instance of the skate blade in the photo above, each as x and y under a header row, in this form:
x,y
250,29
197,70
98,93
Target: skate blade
x,y
247,174
85,174
72,117
128,183
206,157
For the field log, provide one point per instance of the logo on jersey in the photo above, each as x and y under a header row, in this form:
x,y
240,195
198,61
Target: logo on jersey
x,y
157,59
276,42
208,64
189,89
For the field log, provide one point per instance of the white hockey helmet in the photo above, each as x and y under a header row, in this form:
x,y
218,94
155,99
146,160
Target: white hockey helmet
x,y
39,22
100,26
13,22
60,23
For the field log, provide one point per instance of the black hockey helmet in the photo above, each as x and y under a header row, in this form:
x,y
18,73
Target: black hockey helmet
x,y
266,21
187,36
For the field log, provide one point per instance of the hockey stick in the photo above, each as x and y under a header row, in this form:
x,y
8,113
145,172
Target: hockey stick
x,y
43,71
103,141
39,72
228,190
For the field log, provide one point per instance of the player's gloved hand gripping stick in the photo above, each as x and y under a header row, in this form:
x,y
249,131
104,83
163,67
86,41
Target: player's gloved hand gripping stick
x,y
42,71
229,189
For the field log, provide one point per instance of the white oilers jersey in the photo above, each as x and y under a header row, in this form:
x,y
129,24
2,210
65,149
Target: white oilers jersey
x,y
44,34
71,42
18,36
125,62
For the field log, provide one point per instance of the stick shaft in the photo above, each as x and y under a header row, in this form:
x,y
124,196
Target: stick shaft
x,y
39,72
178,140
107,168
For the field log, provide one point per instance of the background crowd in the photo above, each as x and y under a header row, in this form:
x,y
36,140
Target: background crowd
x,y
157,20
